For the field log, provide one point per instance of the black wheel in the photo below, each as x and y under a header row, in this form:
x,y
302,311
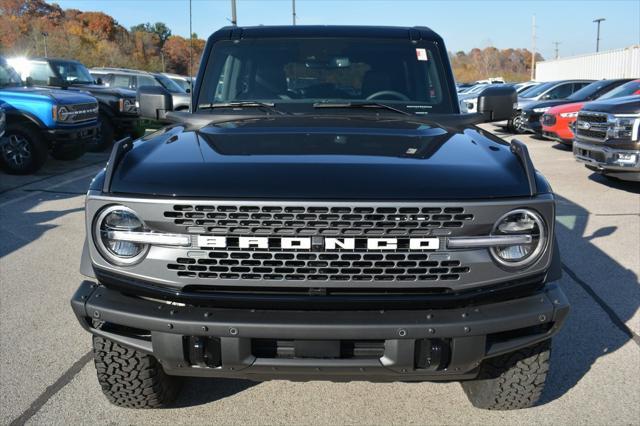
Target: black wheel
x,y
132,379
511,381
22,150
517,125
106,136
68,154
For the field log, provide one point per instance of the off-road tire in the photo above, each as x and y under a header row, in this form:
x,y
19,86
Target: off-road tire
x,y
106,135
511,381
132,379
37,147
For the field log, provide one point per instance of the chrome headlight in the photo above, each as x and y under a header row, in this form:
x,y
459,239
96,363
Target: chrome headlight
x,y
520,222
118,251
128,105
62,114
624,127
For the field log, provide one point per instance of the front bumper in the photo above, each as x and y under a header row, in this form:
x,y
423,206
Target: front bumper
x,y
175,334
607,160
531,121
125,124
62,139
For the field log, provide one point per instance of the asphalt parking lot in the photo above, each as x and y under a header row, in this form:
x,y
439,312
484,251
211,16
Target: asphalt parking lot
x,y
47,376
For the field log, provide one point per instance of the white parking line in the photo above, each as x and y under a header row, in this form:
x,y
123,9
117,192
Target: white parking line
x,y
30,194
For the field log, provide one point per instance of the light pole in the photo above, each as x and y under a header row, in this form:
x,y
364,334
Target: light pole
x,y
234,17
293,10
44,36
597,21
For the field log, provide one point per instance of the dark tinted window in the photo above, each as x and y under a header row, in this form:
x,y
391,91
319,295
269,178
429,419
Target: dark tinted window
x,y
628,89
560,92
308,70
595,89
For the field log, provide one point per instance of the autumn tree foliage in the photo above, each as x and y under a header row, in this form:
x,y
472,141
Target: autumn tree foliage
x,y
93,38
479,64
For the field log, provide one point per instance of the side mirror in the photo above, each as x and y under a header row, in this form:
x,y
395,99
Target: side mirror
x,y
154,102
55,82
28,81
497,103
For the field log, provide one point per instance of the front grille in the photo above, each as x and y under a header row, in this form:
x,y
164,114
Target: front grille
x,y
548,119
321,266
592,126
82,112
324,221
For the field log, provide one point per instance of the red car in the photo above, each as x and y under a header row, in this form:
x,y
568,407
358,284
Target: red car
x,y
557,121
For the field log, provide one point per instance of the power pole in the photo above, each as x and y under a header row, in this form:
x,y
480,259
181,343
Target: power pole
x,y
533,47
293,9
44,36
556,49
597,21
234,16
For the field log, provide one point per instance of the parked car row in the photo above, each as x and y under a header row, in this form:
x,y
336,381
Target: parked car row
x,y
600,119
57,107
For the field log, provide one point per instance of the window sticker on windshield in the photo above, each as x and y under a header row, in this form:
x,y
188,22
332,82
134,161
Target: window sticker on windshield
x,y
421,54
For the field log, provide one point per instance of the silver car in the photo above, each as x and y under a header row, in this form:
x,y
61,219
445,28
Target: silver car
x,y
133,79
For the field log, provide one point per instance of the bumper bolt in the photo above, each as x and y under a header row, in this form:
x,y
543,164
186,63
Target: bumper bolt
x,y
402,332
233,331
172,312
542,318
429,316
466,329
432,330
170,326
207,314
464,315
205,328
96,314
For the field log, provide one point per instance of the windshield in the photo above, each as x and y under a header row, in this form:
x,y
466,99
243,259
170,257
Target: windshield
x,y
182,83
314,70
169,84
590,90
630,88
537,90
72,72
8,77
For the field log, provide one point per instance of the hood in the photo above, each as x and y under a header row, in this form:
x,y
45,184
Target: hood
x,y
544,104
624,105
573,107
99,89
322,157
62,97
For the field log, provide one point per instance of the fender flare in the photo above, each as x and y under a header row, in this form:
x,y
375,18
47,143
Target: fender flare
x,y
21,115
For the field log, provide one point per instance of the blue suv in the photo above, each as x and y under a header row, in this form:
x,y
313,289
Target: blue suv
x,y
39,121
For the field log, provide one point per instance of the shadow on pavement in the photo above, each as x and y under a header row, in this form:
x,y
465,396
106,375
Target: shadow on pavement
x,y
198,391
562,147
19,226
631,187
604,295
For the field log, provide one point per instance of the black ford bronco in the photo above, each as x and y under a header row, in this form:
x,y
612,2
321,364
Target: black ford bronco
x,y
324,213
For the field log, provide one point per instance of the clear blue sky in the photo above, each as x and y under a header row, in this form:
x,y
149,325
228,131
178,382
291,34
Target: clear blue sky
x,y
464,24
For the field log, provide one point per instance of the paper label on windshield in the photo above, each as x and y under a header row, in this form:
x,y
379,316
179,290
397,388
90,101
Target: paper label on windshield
x,y
421,54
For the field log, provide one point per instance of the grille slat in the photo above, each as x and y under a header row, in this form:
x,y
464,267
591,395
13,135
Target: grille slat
x,y
342,266
334,221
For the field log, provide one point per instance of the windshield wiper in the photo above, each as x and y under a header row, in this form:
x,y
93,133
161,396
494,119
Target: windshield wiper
x,y
365,104
244,104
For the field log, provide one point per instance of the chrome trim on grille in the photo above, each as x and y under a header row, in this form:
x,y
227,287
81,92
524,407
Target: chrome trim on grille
x,y
490,241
